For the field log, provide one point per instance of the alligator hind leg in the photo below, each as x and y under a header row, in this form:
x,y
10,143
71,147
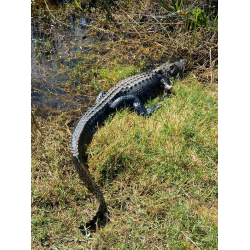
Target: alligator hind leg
x,y
132,101
100,95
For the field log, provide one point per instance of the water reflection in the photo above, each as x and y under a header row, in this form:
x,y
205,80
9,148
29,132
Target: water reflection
x,y
53,50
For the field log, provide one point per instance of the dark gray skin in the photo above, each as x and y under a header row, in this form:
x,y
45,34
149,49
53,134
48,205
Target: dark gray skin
x,y
131,92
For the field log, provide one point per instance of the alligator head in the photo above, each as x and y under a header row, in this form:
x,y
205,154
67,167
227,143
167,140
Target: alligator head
x,y
177,66
172,69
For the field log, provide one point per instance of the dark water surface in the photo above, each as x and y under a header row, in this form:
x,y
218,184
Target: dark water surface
x,y
55,51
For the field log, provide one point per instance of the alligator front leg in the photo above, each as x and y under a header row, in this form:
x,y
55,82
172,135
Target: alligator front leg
x,y
168,88
132,101
100,95
181,76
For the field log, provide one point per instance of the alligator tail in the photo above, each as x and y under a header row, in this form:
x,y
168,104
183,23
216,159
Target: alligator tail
x,y
81,137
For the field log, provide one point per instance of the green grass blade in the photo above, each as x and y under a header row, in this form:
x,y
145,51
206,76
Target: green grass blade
x,y
166,6
204,17
109,16
78,5
180,5
214,22
216,18
174,4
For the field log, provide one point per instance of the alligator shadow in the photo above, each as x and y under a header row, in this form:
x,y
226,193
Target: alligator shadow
x,y
100,220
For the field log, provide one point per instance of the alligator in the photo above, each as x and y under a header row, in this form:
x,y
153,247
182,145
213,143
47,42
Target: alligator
x,y
132,92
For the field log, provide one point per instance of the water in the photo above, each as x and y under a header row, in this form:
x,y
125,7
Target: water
x,y
56,50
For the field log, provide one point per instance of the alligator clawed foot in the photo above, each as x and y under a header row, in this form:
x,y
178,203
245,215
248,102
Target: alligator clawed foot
x,y
169,91
157,106
92,226
166,95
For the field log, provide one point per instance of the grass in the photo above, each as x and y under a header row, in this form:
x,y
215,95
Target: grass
x,y
158,175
